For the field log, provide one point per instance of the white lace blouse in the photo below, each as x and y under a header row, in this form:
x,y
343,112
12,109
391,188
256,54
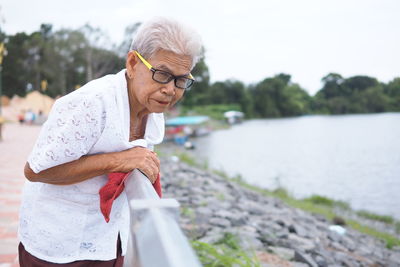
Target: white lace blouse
x,y
62,224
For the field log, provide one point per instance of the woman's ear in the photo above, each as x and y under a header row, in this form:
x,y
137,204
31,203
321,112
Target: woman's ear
x,y
131,62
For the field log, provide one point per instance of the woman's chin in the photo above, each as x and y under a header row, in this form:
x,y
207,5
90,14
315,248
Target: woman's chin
x,y
156,109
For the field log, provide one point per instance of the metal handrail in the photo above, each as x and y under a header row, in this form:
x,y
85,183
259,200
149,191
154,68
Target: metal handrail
x,y
155,239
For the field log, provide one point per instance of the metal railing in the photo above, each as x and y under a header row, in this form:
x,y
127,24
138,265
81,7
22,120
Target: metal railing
x,y
155,240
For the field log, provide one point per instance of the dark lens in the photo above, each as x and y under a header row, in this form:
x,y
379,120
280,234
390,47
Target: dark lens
x,y
162,76
183,83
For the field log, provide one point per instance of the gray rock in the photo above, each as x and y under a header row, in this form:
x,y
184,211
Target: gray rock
x,y
250,242
223,214
212,236
364,250
281,222
258,221
348,243
335,237
238,220
395,258
345,259
204,211
396,248
337,246
378,253
304,258
284,253
195,190
282,235
305,244
298,264
268,237
299,230
321,262
195,231
220,222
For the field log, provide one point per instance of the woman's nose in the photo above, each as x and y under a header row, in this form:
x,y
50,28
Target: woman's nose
x,y
169,88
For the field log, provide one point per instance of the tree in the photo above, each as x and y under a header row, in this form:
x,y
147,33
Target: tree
x,y
266,95
332,86
199,92
392,90
15,72
278,97
97,47
359,83
129,33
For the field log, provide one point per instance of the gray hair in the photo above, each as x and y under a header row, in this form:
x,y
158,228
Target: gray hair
x,y
167,34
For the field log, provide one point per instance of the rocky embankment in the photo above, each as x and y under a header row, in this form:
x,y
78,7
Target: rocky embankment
x,y
280,235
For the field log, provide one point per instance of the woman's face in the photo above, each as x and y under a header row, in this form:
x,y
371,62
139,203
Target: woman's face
x,y
154,96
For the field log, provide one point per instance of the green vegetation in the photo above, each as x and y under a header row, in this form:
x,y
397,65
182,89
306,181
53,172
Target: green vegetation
x,y
69,58
390,240
376,217
215,111
321,200
66,59
185,157
226,252
397,227
279,96
188,212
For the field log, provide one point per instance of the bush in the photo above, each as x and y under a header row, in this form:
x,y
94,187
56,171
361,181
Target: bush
x,y
321,200
213,111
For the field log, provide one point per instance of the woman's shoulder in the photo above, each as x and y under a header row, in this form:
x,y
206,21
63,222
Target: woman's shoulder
x,y
97,91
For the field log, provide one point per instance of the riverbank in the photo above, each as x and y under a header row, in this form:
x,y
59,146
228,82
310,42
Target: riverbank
x,y
278,234
352,158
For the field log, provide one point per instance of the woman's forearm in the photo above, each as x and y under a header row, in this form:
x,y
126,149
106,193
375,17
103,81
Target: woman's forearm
x,y
75,171
94,165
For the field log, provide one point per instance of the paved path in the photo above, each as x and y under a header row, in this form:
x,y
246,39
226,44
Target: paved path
x,y
14,149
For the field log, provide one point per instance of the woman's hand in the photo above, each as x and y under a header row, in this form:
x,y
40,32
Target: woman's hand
x,y
139,158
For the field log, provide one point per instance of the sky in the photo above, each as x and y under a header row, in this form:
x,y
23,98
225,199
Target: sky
x,y
248,40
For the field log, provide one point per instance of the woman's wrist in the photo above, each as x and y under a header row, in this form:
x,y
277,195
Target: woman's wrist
x,y
114,162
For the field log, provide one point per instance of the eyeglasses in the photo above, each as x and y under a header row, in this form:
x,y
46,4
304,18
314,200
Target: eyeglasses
x,y
164,77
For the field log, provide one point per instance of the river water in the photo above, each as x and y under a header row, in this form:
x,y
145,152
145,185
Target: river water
x,y
355,158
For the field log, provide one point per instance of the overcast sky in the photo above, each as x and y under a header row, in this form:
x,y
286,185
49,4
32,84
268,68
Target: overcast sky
x,y
249,40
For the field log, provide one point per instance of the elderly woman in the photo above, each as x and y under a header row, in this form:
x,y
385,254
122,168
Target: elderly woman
x,y
88,135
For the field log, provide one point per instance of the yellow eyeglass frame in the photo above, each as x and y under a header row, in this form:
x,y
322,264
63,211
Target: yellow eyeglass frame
x,y
149,66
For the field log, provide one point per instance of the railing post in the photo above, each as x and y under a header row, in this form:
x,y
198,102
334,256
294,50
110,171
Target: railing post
x,y
155,236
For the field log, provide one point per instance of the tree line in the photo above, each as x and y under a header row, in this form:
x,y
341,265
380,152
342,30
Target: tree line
x,y
58,62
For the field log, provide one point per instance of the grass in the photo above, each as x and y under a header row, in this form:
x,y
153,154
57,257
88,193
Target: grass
x,y
185,157
318,205
226,252
188,212
390,240
323,206
376,217
321,200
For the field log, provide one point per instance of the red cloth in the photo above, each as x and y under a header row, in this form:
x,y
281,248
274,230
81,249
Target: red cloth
x,y
114,187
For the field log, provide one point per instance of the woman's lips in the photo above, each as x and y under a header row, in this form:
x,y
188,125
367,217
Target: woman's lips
x,y
163,102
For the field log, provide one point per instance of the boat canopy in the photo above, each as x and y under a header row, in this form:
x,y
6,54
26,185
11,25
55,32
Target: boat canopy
x,y
189,120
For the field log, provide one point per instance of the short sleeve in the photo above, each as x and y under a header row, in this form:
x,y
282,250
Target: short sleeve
x,y
73,127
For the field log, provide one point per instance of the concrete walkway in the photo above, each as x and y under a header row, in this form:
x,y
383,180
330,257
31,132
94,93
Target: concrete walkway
x,y
17,143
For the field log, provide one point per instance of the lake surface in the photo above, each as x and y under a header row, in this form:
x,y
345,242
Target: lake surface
x,y
355,158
